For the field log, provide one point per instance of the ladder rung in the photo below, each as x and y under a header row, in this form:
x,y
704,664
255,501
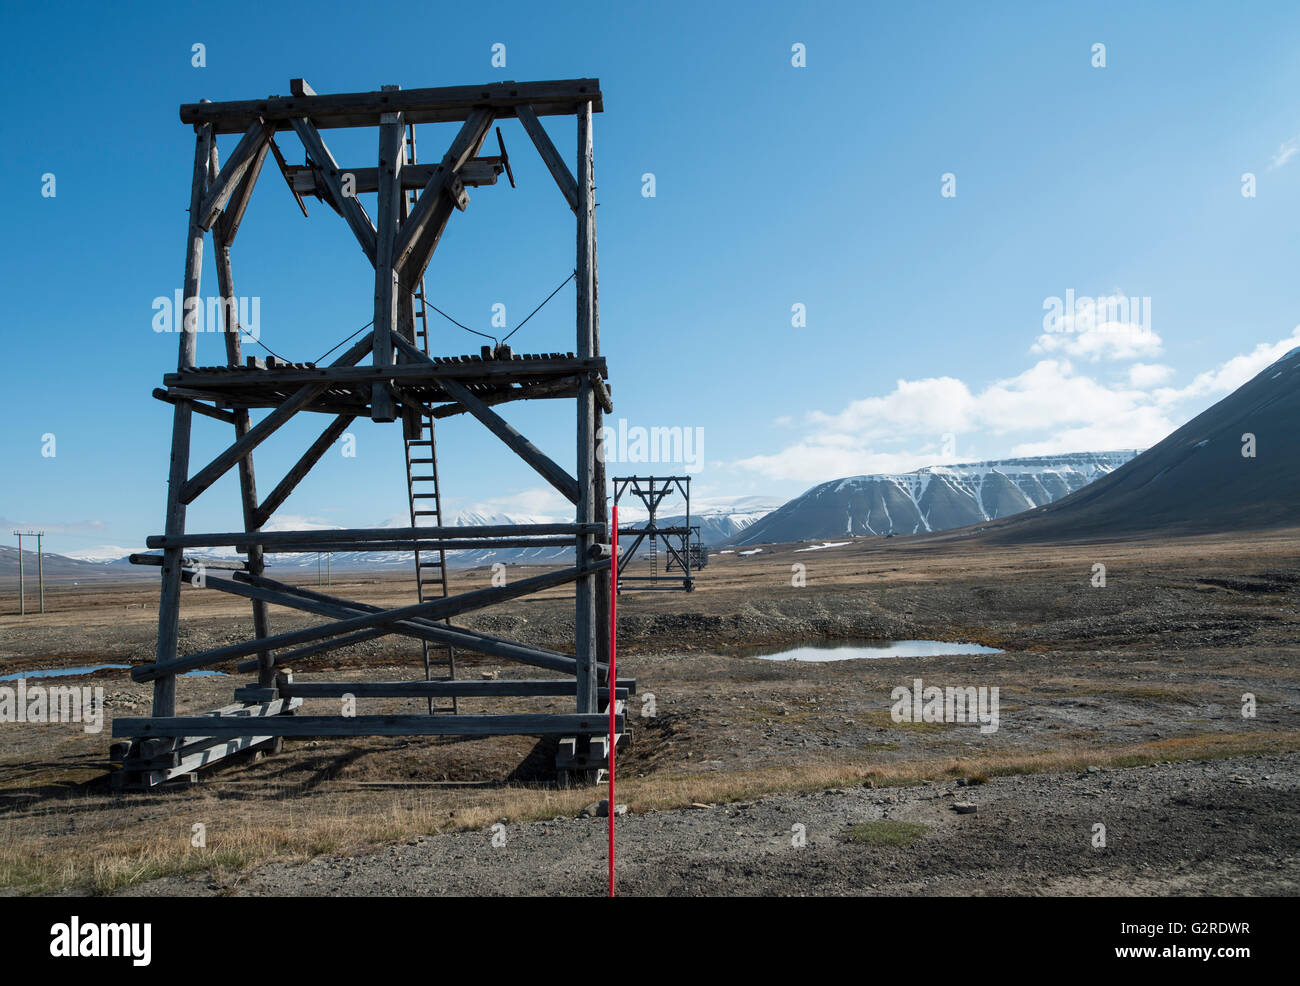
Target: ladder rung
x,y
424,496
420,441
425,513
424,479
414,461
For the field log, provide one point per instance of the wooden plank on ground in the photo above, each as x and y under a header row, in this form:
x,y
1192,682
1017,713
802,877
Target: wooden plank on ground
x,y
521,724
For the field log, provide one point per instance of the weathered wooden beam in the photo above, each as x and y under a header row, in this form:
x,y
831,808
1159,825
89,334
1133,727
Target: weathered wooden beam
x,y
207,410
468,544
194,251
563,387
495,371
254,437
224,184
300,469
270,539
287,658
521,724
155,561
475,172
409,261
148,748
521,446
348,205
542,141
585,621
435,609
508,688
321,604
215,469
437,105
227,224
392,156
169,600
242,421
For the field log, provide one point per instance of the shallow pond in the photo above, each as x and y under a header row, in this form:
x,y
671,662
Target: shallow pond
x,y
90,669
867,650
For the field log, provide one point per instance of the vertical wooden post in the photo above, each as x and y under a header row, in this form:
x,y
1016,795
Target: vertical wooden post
x,y
585,617
247,475
391,154
169,602
40,570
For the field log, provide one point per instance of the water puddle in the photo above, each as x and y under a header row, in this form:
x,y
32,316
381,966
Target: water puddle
x,y
60,672
868,650
91,669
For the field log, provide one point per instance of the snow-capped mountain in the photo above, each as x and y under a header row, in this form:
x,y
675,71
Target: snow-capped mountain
x,y
931,499
102,554
352,560
718,519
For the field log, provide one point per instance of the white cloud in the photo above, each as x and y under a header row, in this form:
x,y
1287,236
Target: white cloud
x,y
538,503
1285,152
1228,377
1133,427
1050,407
1145,375
66,527
808,462
916,407
1105,340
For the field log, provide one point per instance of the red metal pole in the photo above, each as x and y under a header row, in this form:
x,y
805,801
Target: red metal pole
x,y
613,681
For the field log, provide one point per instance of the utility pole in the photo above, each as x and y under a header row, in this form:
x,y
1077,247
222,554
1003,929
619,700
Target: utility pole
x,y
22,595
40,570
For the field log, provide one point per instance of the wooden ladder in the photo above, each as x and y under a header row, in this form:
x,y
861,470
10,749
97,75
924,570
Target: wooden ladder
x,y
422,487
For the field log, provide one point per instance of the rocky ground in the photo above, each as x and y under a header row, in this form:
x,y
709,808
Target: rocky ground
x,y
1212,827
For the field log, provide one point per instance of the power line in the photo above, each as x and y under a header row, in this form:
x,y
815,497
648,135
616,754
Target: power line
x,y
465,327
347,340
453,321
539,307
571,276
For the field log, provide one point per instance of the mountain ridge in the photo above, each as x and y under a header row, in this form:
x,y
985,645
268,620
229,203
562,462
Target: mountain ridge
x,y
932,498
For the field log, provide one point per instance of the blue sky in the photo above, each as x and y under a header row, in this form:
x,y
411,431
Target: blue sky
x,y
776,186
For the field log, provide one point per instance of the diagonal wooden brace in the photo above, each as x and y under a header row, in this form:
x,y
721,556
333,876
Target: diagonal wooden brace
x,y
434,610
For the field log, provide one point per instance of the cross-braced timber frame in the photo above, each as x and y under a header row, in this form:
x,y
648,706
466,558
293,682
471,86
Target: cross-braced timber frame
x,y
682,551
401,382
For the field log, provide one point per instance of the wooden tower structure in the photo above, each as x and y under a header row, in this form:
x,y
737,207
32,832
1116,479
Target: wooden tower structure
x,y
388,375
679,543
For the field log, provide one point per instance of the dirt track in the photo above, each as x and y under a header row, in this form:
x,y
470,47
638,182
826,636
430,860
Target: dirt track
x,y
1150,668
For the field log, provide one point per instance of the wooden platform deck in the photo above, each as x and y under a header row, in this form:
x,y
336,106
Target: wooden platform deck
x,y
272,382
